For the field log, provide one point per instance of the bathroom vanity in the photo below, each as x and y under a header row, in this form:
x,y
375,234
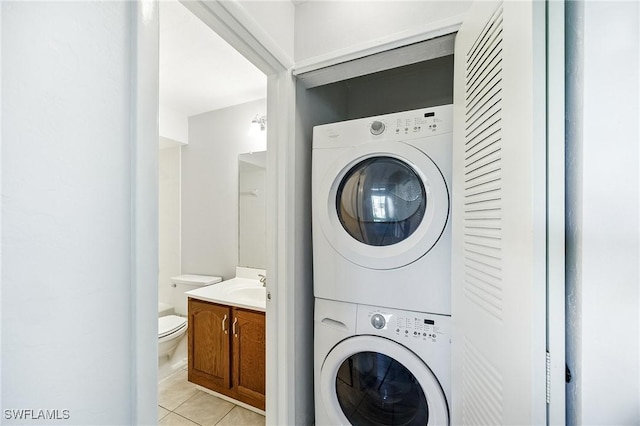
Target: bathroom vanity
x,y
227,351
227,342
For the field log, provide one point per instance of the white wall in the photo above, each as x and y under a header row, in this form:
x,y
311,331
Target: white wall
x,y
173,124
67,313
276,18
168,221
334,27
210,187
603,214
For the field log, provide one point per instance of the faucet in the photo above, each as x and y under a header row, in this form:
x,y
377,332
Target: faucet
x,y
263,280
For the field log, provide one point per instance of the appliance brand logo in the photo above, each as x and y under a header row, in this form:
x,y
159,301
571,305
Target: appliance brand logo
x,y
332,133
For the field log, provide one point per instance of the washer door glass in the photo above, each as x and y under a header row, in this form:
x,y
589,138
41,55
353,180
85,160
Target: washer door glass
x,y
374,389
381,201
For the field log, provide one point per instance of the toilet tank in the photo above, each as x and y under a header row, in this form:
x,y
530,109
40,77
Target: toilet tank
x,y
188,282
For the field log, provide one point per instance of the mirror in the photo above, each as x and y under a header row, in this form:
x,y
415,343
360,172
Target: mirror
x,y
252,238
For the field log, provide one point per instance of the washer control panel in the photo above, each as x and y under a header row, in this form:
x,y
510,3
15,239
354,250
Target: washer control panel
x,y
403,326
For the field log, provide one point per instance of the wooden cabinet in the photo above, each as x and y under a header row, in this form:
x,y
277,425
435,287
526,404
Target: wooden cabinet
x,y
227,351
209,345
249,354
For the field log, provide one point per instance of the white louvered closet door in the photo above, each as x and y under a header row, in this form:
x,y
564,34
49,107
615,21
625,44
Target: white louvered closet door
x,y
499,307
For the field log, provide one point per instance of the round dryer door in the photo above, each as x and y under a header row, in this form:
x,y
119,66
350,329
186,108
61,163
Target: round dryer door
x,y
381,201
368,380
387,205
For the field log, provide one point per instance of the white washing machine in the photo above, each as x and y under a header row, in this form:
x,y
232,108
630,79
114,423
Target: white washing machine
x,y
380,366
381,210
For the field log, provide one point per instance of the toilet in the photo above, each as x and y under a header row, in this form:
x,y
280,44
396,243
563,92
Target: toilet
x,y
172,320
171,328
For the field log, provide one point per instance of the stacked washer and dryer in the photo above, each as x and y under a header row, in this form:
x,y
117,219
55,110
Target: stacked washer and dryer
x,y
382,267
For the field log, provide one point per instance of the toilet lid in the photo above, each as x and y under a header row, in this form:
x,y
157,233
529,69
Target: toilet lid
x,y
170,324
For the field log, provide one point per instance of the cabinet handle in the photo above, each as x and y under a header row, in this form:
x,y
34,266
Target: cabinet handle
x,y
224,328
235,320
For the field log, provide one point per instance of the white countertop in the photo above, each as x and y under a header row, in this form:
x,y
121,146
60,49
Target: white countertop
x,y
245,293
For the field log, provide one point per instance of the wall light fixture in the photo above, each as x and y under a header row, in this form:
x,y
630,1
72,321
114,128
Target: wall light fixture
x,y
258,124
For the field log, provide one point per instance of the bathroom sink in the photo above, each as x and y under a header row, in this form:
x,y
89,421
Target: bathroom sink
x,y
249,294
242,292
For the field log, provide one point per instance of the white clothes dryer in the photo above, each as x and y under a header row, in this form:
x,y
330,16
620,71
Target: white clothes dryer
x,y
380,366
381,210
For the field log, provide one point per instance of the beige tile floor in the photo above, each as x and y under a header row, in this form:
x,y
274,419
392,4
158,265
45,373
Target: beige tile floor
x,y
181,403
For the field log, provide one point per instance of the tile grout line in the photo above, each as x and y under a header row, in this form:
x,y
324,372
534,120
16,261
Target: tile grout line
x,y
223,417
187,418
194,395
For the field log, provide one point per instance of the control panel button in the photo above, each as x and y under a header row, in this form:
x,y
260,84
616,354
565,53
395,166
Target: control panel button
x,y
377,127
378,321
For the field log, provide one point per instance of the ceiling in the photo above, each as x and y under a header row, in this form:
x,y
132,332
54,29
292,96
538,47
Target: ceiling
x,y
199,71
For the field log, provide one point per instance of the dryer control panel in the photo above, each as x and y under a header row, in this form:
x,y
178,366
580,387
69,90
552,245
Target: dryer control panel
x,y
423,123
413,329
399,126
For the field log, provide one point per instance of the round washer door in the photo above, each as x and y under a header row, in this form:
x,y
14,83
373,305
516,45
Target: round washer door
x,y
387,204
369,380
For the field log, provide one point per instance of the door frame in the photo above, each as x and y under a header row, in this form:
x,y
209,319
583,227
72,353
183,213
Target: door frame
x,y
552,49
555,204
232,22
144,101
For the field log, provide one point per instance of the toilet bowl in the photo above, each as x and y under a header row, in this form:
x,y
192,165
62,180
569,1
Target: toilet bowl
x,y
171,328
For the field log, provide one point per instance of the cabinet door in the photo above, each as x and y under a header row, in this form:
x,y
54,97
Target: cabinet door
x,y
209,345
249,356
